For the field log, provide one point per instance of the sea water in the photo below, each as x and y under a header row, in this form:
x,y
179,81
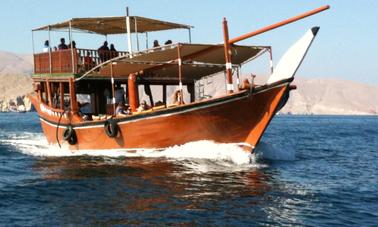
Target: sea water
x,y
308,170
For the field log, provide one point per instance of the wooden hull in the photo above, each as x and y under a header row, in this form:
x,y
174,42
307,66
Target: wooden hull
x,y
237,118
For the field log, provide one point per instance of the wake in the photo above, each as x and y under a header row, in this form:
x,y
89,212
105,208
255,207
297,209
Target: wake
x,y
196,153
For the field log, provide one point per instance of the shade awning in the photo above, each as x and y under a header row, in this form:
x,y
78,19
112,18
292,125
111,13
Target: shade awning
x,y
160,64
114,25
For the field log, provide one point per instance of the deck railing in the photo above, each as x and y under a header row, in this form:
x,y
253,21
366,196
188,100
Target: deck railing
x,y
63,62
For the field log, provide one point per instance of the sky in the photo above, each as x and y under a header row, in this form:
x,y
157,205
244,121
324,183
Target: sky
x,y
346,46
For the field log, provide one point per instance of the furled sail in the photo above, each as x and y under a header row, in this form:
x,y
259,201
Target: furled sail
x,y
292,59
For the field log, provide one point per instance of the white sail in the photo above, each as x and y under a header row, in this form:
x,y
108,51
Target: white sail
x,y
292,59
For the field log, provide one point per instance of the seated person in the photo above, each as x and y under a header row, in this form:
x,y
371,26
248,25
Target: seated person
x,y
245,85
178,98
88,61
85,110
62,45
122,110
143,106
156,43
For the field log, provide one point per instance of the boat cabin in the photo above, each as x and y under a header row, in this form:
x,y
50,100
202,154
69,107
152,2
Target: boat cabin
x,y
92,82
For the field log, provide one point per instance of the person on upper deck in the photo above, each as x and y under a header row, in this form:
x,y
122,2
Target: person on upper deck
x,y
113,51
88,61
168,42
46,47
156,43
103,52
62,45
73,45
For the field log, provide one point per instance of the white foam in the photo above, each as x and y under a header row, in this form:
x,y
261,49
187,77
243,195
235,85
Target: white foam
x,y
199,152
272,152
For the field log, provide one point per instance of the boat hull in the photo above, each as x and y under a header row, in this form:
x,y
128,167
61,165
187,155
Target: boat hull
x,y
237,118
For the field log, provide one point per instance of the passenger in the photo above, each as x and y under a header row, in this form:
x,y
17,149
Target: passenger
x,y
46,47
85,110
122,110
88,61
143,106
55,48
168,42
119,94
73,45
156,43
246,85
178,98
62,45
103,52
113,51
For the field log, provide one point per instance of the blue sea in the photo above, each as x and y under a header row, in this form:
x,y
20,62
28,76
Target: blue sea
x,y
308,171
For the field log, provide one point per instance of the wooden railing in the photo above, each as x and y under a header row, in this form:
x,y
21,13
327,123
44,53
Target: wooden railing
x,y
63,62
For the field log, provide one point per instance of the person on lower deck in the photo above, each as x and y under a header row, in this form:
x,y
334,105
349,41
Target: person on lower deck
x,y
122,110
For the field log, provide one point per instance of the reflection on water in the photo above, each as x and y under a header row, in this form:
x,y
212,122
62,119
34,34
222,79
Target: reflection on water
x,y
140,188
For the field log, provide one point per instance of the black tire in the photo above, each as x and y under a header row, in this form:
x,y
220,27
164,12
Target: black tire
x,y
69,135
111,128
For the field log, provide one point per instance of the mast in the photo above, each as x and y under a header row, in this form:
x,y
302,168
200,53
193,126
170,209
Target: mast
x,y
227,54
128,30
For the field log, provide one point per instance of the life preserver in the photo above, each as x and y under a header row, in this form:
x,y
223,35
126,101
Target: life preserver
x,y
111,128
69,135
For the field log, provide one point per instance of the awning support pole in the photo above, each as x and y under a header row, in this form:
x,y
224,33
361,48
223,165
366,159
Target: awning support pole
x,y
128,30
73,95
190,35
136,32
72,52
49,99
50,65
61,95
146,40
180,71
33,49
227,53
113,88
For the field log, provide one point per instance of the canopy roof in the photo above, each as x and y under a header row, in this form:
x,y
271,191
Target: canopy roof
x,y
160,64
114,25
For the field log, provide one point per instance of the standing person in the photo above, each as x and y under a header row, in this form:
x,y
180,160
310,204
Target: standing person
x,y
113,51
46,47
103,52
62,45
119,94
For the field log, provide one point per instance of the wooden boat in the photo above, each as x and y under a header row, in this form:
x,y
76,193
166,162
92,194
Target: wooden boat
x,y
240,116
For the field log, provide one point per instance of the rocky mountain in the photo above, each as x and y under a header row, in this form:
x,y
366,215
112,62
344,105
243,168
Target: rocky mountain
x,y
332,96
313,96
15,81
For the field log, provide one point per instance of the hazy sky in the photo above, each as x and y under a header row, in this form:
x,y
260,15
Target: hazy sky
x,y
346,46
